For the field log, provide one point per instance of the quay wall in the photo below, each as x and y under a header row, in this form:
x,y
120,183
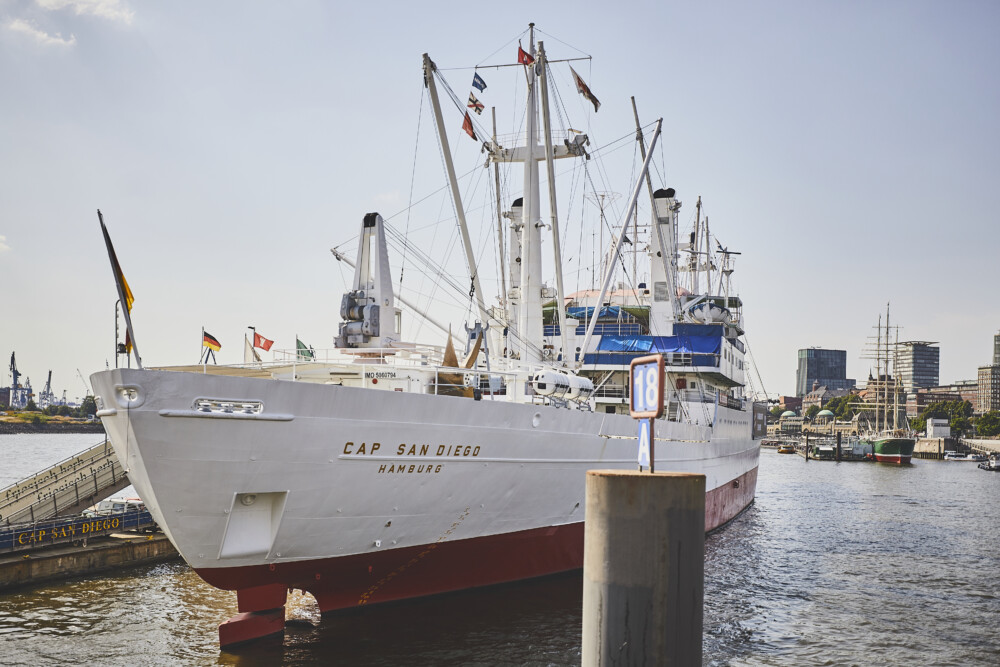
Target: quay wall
x,y
19,569
933,448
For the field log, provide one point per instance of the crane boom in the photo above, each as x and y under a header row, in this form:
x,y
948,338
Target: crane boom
x,y
13,371
86,387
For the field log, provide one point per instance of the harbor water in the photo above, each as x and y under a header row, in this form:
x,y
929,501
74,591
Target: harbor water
x,y
835,564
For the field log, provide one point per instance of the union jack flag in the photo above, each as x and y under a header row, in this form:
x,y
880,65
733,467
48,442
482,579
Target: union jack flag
x,y
475,104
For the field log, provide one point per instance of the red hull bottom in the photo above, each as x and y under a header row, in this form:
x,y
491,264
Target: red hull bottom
x,y
397,574
890,458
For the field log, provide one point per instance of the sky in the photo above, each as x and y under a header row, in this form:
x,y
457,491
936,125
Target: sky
x,y
849,150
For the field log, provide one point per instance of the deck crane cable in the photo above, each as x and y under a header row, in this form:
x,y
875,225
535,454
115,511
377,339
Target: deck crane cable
x,y
413,176
439,274
753,362
566,44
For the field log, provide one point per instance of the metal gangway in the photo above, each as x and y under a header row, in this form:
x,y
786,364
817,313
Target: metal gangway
x,y
68,487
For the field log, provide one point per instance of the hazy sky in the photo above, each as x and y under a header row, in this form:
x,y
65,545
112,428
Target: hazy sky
x,y
849,150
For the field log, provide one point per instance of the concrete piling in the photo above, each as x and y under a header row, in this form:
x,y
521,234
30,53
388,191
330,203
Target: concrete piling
x,y
643,568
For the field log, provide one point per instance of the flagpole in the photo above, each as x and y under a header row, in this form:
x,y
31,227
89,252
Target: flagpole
x,y
117,270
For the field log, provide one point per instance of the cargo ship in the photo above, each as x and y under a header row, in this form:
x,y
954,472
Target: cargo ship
x,y
383,469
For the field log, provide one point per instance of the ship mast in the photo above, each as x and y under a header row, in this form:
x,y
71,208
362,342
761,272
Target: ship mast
x,y
695,248
551,174
503,261
895,384
529,320
429,69
878,369
885,421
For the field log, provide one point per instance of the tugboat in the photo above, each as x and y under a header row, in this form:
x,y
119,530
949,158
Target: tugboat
x,y
992,463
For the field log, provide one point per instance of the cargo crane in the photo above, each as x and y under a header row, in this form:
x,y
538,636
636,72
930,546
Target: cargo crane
x,y
45,399
18,395
86,387
13,370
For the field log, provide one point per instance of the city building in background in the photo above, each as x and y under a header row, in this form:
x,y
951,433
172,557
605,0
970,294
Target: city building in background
x,y
962,390
820,396
820,367
989,389
793,403
917,364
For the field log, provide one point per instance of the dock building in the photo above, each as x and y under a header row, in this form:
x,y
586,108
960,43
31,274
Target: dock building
x,y
821,367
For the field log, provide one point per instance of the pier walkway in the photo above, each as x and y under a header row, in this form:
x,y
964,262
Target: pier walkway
x,y
66,488
982,446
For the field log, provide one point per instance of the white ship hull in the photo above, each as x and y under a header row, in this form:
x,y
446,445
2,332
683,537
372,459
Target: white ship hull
x,y
365,495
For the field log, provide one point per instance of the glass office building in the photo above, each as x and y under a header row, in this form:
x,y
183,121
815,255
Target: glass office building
x,y
825,368
917,364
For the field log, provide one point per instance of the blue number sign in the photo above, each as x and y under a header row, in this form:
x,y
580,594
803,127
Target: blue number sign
x,y
646,380
646,376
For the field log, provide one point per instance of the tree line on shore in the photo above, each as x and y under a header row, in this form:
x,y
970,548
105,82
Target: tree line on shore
x,y
86,409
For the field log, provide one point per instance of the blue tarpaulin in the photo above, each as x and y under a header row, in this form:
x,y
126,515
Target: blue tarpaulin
x,y
661,344
622,349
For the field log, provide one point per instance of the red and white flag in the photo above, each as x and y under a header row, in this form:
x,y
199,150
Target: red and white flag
x,y
584,90
467,126
523,57
261,342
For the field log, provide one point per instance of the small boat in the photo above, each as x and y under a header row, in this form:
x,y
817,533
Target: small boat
x,y
958,456
992,463
786,448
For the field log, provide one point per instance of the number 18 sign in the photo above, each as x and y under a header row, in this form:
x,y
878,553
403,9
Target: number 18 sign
x,y
646,376
646,379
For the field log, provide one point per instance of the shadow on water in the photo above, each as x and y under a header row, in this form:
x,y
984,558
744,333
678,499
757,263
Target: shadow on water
x,y
529,623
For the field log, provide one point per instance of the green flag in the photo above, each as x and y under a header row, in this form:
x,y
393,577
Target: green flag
x,y
304,351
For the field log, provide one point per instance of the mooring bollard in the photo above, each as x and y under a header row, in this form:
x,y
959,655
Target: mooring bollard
x,y
643,568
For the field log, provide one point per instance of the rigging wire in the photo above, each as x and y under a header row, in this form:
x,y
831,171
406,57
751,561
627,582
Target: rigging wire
x,y
413,177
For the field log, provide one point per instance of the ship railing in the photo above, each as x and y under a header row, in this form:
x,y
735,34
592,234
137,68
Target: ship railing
x,y
488,384
727,401
615,391
694,396
414,355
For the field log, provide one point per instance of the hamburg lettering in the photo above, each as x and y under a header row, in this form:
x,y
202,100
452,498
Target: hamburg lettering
x,y
400,469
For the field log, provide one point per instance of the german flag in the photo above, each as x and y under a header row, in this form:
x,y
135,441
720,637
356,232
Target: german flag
x,y
210,341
